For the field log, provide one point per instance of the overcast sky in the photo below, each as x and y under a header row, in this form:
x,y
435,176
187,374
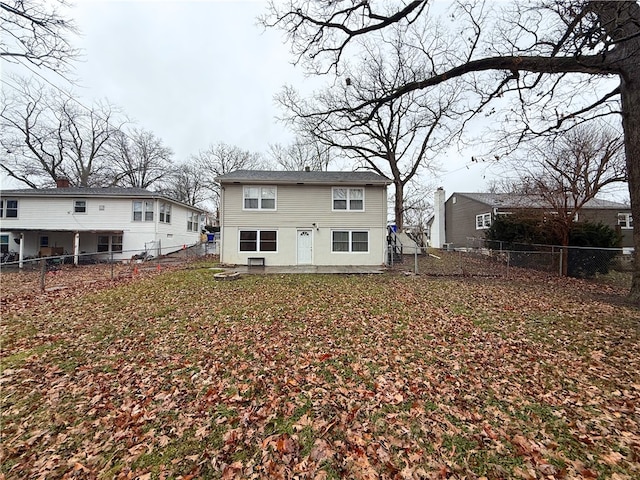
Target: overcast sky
x,y
201,72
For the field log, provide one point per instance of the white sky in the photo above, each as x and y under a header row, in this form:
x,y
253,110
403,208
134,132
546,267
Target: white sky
x,y
201,72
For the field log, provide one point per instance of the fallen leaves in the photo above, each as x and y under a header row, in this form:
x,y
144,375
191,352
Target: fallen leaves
x,y
178,376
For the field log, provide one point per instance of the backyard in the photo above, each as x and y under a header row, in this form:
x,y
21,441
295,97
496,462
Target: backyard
x,y
168,373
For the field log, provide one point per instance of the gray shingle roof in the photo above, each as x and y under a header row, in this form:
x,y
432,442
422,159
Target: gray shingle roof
x,y
512,200
88,192
287,177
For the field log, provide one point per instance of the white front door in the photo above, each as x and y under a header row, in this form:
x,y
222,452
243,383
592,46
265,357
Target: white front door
x,y
304,247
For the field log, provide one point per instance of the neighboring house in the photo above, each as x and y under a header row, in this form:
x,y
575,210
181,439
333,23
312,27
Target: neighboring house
x,y
469,215
303,218
109,223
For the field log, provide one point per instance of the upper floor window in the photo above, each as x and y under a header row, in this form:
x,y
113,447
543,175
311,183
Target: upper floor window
x,y
165,212
483,221
625,221
259,198
8,208
143,210
348,198
79,206
193,221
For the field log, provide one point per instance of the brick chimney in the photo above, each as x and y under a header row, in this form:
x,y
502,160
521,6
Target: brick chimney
x,y
62,182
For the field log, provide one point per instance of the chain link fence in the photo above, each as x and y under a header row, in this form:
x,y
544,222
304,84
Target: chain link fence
x,y
37,274
482,258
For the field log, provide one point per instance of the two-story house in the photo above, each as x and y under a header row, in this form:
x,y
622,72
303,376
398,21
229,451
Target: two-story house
x,y
469,215
106,223
303,218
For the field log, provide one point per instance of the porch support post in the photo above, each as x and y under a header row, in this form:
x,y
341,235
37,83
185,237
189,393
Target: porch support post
x,y
76,247
21,251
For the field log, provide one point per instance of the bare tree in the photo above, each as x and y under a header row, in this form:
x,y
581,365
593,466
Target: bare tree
x,y
567,172
186,185
35,31
47,135
398,140
139,159
557,58
219,159
301,154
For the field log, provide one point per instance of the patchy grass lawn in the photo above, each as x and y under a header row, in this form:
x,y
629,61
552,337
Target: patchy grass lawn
x,y
176,375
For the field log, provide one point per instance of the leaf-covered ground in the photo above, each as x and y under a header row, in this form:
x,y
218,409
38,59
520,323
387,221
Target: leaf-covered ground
x,y
176,375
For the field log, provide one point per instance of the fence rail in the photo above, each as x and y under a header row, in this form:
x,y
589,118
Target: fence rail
x,y
59,271
481,258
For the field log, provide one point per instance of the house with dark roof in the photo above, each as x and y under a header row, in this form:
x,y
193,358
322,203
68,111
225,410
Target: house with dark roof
x,y
303,218
100,223
468,215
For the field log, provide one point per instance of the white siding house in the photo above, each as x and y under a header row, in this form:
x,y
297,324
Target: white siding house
x,y
104,223
303,218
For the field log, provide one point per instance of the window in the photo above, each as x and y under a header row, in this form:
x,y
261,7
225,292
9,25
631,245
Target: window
x,y
103,243
258,240
44,241
259,198
483,221
143,210
9,209
80,206
193,221
625,221
4,243
349,241
109,243
348,199
165,212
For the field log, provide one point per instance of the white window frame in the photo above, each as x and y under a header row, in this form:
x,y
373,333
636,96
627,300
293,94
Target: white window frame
x,y
483,221
193,221
114,243
4,245
348,199
146,210
80,206
262,190
164,216
351,241
4,208
625,221
258,240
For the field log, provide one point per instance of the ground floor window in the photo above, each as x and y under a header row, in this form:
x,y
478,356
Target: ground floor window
x,y
349,241
258,240
109,243
4,243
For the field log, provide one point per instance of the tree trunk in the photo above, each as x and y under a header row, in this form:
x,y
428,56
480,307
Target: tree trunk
x,y
630,97
398,207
